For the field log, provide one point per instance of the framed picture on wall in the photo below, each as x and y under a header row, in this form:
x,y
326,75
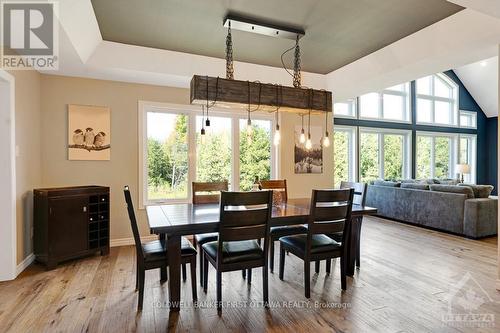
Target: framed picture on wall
x,y
308,160
89,133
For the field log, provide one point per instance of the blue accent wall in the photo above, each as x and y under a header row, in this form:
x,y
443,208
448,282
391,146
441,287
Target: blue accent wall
x,y
487,131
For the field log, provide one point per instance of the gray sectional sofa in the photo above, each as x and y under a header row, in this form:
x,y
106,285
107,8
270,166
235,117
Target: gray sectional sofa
x,y
450,208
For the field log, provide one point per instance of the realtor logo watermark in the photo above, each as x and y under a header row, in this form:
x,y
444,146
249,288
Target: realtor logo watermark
x,y
468,305
29,35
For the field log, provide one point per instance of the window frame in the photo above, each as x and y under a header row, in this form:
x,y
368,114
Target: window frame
x,y
406,94
191,111
454,152
353,102
407,146
353,162
471,114
454,100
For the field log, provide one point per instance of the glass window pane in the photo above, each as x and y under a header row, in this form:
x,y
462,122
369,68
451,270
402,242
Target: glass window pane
x,y
341,151
369,105
255,155
464,151
393,107
424,85
393,156
442,157
442,112
369,157
467,119
213,156
341,109
424,157
167,162
441,88
424,110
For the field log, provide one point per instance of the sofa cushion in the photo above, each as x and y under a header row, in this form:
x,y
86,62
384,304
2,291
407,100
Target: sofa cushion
x,y
415,186
408,181
386,183
453,189
480,191
429,181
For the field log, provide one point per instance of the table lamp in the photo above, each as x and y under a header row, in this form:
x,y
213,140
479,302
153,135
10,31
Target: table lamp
x,y
462,169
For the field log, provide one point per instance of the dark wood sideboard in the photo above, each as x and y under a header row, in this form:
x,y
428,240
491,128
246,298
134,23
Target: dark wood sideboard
x,y
70,222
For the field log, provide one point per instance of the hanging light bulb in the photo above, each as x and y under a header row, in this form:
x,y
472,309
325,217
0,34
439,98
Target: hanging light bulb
x,y
302,137
277,135
326,139
202,132
308,142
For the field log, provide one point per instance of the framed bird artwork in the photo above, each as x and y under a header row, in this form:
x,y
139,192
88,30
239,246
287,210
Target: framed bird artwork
x,y
89,133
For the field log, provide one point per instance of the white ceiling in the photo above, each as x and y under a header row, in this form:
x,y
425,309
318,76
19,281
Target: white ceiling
x,y
481,80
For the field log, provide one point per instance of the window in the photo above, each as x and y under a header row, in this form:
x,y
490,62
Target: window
x,y
392,104
344,145
468,119
345,109
173,154
384,154
437,100
255,157
167,156
439,153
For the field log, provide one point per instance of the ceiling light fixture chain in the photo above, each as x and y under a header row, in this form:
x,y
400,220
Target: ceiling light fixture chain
x,y
229,54
296,65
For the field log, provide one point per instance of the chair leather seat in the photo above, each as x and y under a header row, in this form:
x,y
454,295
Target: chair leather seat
x,y
287,230
320,243
205,238
236,251
156,250
336,237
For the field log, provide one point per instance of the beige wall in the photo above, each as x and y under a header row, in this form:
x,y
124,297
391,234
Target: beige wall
x,y
123,99
28,162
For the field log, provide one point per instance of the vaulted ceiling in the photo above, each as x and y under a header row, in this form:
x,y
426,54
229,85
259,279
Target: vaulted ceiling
x,y
338,32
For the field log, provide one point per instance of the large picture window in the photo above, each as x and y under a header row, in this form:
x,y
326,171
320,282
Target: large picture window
x,y
173,152
384,154
344,152
437,100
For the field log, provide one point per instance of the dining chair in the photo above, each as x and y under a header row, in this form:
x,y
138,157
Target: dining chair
x,y
203,193
276,232
330,212
358,199
244,218
153,255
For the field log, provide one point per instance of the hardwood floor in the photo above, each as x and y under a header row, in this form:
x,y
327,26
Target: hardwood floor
x,y
403,286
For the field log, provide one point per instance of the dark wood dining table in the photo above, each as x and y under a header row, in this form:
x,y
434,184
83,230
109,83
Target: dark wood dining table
x,y
173,221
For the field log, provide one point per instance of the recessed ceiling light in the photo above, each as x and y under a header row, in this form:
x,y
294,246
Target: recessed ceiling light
x,y
483,63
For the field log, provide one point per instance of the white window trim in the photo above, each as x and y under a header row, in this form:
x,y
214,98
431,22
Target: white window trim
x,y
406,106
352,150
407,144
473,114
354,102
192,111
454,113
454,154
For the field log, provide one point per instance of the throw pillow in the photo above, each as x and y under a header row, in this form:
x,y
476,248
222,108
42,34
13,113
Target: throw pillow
x,y
480,191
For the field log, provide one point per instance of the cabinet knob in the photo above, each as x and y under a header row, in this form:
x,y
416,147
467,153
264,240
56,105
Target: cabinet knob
x,y
84,209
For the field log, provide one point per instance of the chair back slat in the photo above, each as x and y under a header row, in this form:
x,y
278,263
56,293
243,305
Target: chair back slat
x,y
330,213
244,216
359,191
200,189
133,222
276,184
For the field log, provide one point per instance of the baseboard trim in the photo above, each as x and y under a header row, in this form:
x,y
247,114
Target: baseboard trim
x,y
25,263
130,241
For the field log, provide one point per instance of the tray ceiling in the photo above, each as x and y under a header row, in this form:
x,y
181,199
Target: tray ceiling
x,y
337,32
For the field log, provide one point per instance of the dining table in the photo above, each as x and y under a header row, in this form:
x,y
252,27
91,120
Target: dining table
x,y
172,221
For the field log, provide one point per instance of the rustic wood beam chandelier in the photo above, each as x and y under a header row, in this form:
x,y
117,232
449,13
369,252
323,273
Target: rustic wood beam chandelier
x,y
230,93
